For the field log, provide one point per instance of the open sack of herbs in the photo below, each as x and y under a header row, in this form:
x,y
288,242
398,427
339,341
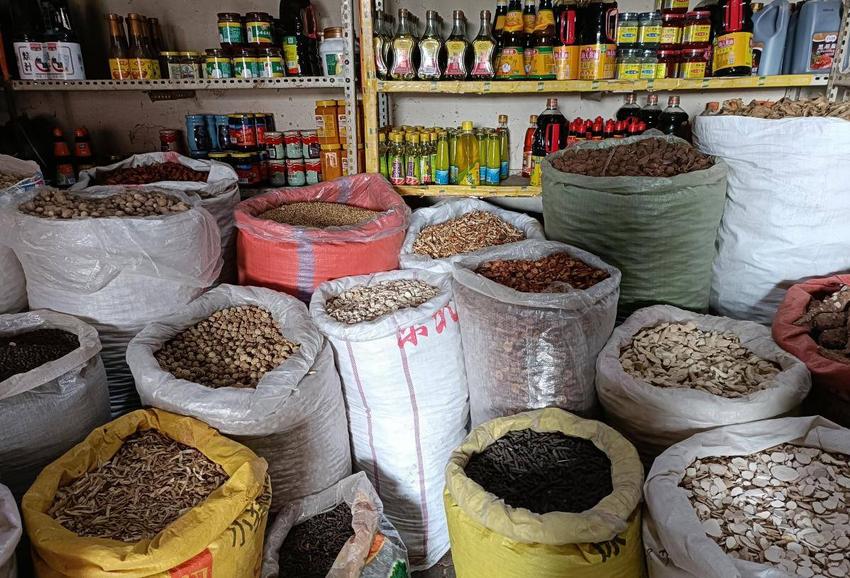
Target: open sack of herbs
x,y
320,214
828,318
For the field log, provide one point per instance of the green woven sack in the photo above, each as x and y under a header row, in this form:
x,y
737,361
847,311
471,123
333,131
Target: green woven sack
x,y
660,232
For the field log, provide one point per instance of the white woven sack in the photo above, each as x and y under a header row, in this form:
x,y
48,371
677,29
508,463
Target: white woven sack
x,y
46,411
405,388
786,208
674,539
532,350
452,209
654,418
11,531
294,418
116,273
219,194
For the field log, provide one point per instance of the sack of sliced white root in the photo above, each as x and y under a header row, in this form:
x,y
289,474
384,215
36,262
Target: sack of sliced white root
x,y
398,350
290,412
760,500
667,373
10,533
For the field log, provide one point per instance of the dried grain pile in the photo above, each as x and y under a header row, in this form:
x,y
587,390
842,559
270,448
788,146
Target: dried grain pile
x,y
786,107
319,214
311,547
25,351
369,302
555,273
470,232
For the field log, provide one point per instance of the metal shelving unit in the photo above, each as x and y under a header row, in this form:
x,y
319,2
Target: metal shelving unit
x,y
839,78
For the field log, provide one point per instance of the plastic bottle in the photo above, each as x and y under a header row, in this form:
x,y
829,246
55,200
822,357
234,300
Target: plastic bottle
x,y
83,156
396,160
770,29
788,53
442,164
542,62
674,120
630,108
468,163
816,37
510,63
733,29
504,147
432,138
650,113
528,143
458,49
63,174
551,136
425,174
294,40
403,67
430,48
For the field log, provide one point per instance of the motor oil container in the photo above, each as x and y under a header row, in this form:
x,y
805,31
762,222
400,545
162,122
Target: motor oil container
x,y
770,28
816,37
788,53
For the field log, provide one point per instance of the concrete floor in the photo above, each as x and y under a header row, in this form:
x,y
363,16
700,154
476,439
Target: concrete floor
x,y
442,569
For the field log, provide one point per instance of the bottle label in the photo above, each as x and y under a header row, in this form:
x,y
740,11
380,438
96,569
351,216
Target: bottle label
x,y
290,56
649,34
671,35
482,66
627,34
82,149
823,50
482,174
543,63
734,49
380,64
412,174
33,62
230,33
696,34
397,172
403,59
333,64
245,68
493,176
66,61
119,68
597,61
628,71
220,68
677,4
545,19
141,68
662,69
259,32
527,57
500,22
471,176
273,68
511,63
425,169
692,70
442,177
513,22
526,163
429,66
65,175
536,170
456,61
566,62
647,70
528,23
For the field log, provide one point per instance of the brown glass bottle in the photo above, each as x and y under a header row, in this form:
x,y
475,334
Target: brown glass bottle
x,y
157,45
141,63
542,63
510,63
119,54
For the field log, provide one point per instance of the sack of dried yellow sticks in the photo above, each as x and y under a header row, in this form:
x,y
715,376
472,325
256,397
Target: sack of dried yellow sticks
x,y
150,495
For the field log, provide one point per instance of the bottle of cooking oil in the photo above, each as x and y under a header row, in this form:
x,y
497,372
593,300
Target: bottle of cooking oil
x,y
425,159
395,159
468,162
441,173
412,155
482,136
494,158
504,147
433,139
453,138
382,155
404,47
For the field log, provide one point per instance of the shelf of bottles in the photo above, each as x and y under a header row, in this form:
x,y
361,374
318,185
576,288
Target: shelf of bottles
x,y
514,186
309,82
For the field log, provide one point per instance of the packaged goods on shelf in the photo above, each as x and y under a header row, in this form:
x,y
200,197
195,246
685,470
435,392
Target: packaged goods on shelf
x,y
655,405
369,528
531,350
224,531
218,191
491,538
406,393
658,231
294,416
15,176
11,531
795,184
709,537
117,273
49,49
815,334
66,395
296,259
457,228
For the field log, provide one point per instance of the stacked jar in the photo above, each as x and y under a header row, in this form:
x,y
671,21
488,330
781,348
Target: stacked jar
x,y
696,45
328,116
638,42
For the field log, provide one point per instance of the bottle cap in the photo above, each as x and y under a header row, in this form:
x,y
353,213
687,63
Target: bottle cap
x,y
457,14
503,118
430,14
466,125
485,15
673,101
551,103
631,98
532,119
652,99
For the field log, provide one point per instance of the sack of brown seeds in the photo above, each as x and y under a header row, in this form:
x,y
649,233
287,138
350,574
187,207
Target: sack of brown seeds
x,y
293,415
529,350
10,533
350,539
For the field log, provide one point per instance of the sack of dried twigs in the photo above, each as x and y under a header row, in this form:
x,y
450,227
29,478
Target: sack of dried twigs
x,y
667,374
569,503
288,408
152,495
457,228
533,346
338,533
10,533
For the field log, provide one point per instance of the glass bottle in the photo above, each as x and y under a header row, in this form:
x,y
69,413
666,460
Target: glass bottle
x,y
433,151
63,175
551,136
674,120
430,47
511,65
83,160
458,50
542,65
630,108
119,52
141,63
442,165
529,20
651,112
501,13
382,155
504,147
468,162
403,46
411,160
527,145
311,33
482,135
64,54
425,159
484,50
378,42
157,44
389,27
293,39
453,140
396,160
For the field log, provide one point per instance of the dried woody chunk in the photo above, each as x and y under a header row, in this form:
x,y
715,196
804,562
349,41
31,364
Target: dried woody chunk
x,y
556,273
829,321
470,232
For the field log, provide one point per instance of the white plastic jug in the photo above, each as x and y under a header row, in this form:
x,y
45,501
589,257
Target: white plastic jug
x,y
770,28
816,37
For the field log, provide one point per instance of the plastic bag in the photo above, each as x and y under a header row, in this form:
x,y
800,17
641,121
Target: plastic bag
x,y
785,217
675,541
47,410
531,350
29,172
405,388
830,379
659,232
219,194
294,418
492,539
297,259
222,537
375,550
10,533
117,273
654,418
452,209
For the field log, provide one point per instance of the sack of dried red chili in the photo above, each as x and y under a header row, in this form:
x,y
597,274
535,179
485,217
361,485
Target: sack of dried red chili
x,y
797,335
293,240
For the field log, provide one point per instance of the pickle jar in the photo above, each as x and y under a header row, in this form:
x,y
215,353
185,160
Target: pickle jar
x,y
270,62
245,63
230,29
191,65
628,63
648,62
668,64
627,29
697,31
173,65
672,29
258,28
218,64
694,63
649,31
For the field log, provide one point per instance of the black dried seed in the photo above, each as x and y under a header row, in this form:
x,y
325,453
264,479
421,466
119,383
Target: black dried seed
x,y
26,351
311,547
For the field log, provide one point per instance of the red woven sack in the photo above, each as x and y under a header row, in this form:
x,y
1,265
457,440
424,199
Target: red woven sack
x,y
298,259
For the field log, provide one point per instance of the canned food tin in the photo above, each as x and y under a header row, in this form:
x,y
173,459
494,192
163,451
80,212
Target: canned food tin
x,y
242,132
277,173
168,141
271,126
260,129
274,144
292,142
247,168
310,142
313,170
295,172
196,133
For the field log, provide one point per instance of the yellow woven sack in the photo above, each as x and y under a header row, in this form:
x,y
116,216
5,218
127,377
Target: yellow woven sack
x,y
492,540
220,538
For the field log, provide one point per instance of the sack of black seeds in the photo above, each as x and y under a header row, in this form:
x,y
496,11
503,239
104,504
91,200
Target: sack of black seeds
x,y
558,464
10,533
338,533
528,350
294,417
52,391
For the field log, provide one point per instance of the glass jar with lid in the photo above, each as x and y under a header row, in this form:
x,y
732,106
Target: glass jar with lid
x,y
230,29
332,52
191,65
694,63
697,31
628,63
648,62
627,29
649,31
270,62
258,28
672,28
668,63
245,63
218,64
